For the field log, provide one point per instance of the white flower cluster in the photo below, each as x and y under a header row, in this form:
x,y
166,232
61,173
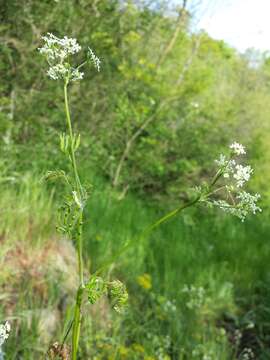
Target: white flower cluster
x,y
4,332
202,352
229,167
58,71
238,149
247,204
242,174
169,306
247,354
244,203
94,58
226,164
196,295
56,48
57,52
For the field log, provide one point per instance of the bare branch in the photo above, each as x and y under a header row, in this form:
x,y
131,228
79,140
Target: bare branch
x,y
180,21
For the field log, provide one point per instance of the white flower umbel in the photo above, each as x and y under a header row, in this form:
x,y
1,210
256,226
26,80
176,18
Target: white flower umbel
x,y
58,71
4,332
226,164
242,174
76,75
247,203
237,149
58,53
238,202
56,49
222,161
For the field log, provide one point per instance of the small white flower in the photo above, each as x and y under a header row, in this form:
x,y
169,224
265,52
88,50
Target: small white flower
x,y
169,306
4,332
70,45
222,161
247,203
241,203
55,48
238,149
58,71
242,174
76,75
226,165
57,52
247,354
196,296
7,326
195,105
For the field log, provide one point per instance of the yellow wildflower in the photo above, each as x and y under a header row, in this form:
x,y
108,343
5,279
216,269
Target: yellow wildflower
x,y
145,281
123,351
138,348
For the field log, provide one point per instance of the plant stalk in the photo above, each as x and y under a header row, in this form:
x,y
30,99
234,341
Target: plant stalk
x,y
147,231
77,323
77,311
72,152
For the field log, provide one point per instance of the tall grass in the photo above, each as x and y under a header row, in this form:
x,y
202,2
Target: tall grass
x,y
229,260
226,258
26,209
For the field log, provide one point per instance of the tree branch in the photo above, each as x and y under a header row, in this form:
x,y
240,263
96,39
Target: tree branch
x,y
170,45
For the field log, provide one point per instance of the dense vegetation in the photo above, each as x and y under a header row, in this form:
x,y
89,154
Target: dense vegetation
x,y
165,104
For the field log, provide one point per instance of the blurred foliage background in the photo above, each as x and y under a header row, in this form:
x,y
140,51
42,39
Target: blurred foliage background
x,y
167,101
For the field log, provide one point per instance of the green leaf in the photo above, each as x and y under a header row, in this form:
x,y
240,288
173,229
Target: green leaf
x,y
118,294
53,175
64,142
96,287
76,141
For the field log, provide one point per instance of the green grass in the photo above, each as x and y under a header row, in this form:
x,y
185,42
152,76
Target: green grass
x,y
225,257
26,209
229,259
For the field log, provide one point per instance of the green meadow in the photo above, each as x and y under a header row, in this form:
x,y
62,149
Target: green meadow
x,y
194,284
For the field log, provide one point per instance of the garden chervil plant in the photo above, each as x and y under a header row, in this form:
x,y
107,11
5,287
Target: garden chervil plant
x,y
235,200
59,53
225,190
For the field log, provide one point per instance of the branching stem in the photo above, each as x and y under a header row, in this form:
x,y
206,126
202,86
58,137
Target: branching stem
x,y
147,231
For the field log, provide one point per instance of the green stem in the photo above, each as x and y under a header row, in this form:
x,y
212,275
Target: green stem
x,y
67,332
216,177
81,65
216,190
77,311
77,323
72,152
147,231
79,248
